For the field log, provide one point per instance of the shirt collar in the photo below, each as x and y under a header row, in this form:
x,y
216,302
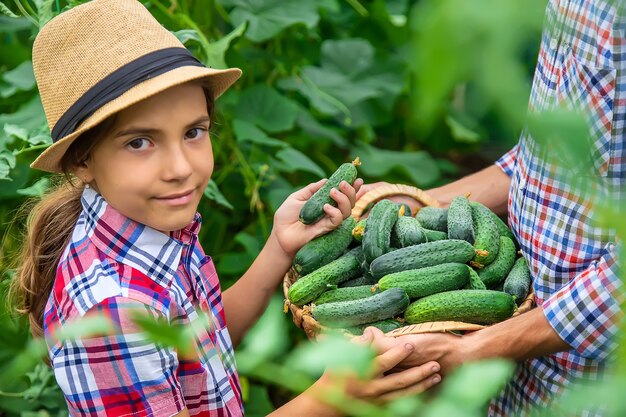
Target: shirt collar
x,y
155,254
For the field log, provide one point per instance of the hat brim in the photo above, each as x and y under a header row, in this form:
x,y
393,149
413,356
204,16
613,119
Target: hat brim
x,y
217,82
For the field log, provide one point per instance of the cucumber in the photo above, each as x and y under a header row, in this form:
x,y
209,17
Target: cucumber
x,y
487,237
433,218
422,255
311,286
496,272
377,234
357,231
470,306
324,249
421,282
355,282
384,325
432,235
407,232
313,209
517,283
475,283
503,229
381,306
346,293
460,225
404,210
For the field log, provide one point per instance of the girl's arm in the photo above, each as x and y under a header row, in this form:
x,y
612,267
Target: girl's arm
x,y
246,300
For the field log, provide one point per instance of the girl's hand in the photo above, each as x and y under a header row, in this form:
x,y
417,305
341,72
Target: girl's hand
x,y
385,385
291,234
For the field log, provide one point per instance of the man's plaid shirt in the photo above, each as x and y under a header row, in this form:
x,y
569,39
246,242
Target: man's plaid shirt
x,y
581,65
113,267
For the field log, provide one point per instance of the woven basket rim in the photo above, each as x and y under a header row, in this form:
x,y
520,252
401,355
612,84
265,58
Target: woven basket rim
x,y
312,328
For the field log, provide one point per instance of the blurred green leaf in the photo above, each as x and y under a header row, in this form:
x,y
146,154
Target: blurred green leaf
x,y
461,132
419,167
213,193
259,404
38,189
20,78
265,107
334,352
6,11
266,18
248,132
44,11
217,49
294,160
7,163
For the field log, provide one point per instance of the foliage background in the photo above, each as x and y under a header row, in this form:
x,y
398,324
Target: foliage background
x,y
423,92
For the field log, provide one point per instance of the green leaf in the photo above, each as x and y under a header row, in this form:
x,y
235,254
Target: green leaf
x,y
267,18
314,128
473,384
29,116
213,193
16,132
265,107
248,132
460,132
85,327
6,11
44,11
7,163
259,404
38,189
419,167
20,78
334,352
294,160
217,50
185,36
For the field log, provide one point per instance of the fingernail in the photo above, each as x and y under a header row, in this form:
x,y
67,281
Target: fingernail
x,y
436,379
435,368
408,346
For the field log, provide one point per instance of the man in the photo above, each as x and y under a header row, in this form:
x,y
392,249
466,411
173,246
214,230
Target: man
x,y
571,334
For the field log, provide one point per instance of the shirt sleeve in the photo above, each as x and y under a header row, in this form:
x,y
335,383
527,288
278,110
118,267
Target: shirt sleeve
x,y
586,313
507,161
122,373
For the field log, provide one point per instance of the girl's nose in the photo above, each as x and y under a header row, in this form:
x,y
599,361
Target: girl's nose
x,y
176,164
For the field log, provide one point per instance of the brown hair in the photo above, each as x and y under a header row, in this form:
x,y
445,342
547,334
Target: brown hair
x,y
50,223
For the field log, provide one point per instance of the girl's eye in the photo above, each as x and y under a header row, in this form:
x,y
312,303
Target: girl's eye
x,y
195,133
138,144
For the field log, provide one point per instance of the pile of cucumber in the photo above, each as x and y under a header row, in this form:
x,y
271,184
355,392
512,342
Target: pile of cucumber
x,y
460,264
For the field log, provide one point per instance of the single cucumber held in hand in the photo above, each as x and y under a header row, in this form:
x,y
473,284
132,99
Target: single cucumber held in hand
x,y
313,209
324,249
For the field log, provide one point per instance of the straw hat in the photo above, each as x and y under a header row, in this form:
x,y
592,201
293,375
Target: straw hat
x,y
104,56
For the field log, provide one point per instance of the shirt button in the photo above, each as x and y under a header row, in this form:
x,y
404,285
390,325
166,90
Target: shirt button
x,y
553,43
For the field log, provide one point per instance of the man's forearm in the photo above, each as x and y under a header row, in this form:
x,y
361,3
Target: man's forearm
x,y
526,336
489,187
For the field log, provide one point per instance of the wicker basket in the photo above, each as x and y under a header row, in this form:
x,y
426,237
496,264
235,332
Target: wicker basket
x,y
302,317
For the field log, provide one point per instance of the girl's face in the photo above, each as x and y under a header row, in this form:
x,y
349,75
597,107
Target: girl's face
x,y
155,162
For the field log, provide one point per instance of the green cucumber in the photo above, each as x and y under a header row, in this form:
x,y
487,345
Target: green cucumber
x,y
475,283
311,286
422,255
346,293
470,306
404,210
433,218
421,282
487,241
460,225
324,249
517,283
432,235
355,282
503,229
377,234
313,209
357,231
407,232
496,272
383,325
381,306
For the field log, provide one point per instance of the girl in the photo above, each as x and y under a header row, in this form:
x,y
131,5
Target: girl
x,y
129,110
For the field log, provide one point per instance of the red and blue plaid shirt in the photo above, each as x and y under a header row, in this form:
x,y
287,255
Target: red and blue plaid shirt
x,y
112,267
581,65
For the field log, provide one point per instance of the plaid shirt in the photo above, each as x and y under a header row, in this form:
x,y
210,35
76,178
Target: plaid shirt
x,y
112,267
582,65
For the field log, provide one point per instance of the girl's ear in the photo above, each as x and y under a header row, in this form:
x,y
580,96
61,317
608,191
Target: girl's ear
x,y
83,172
